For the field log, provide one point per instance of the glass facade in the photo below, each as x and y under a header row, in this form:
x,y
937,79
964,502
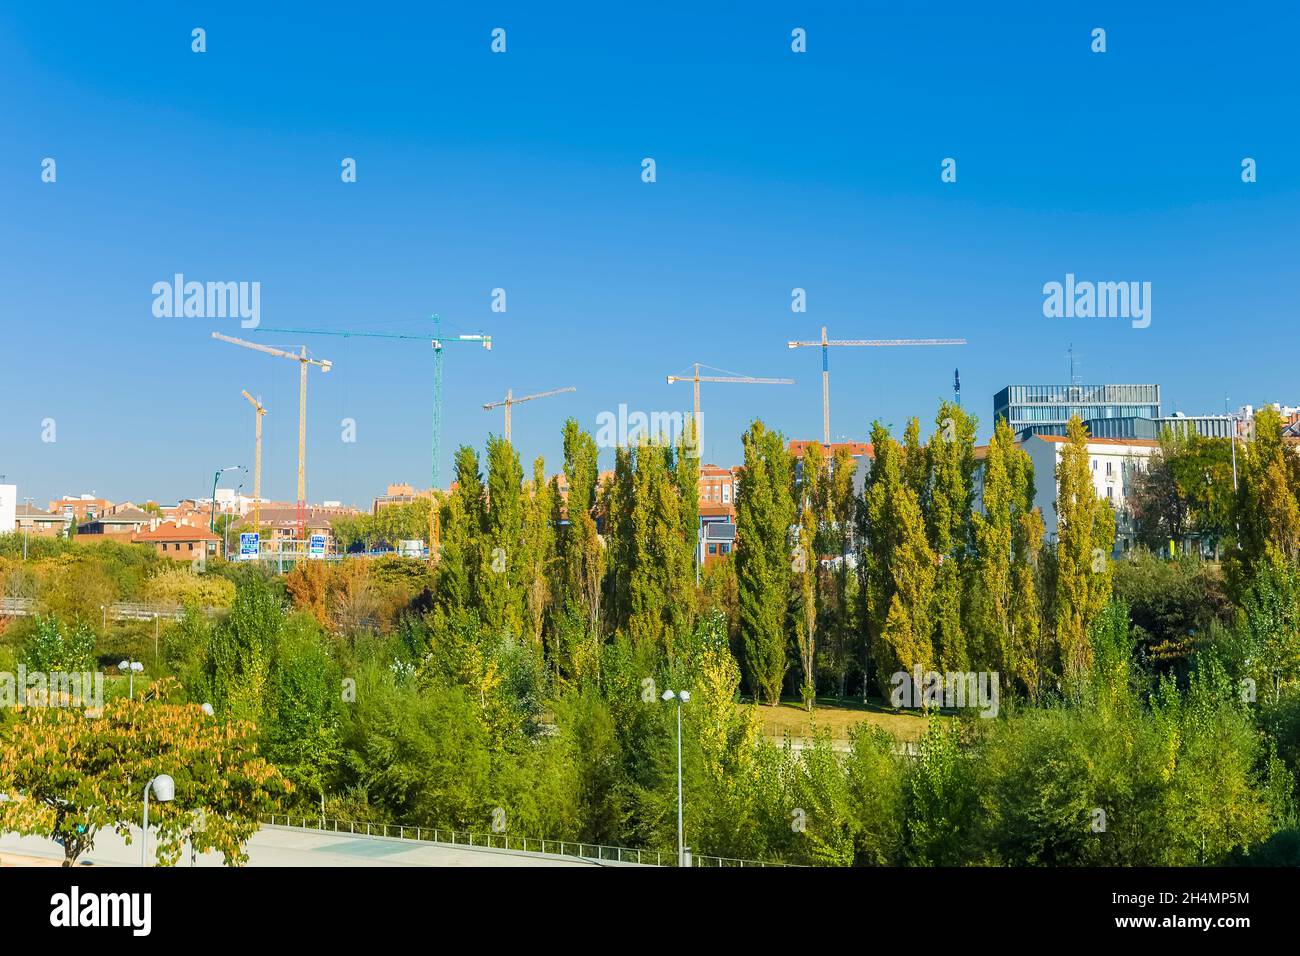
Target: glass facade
x,y
1045,409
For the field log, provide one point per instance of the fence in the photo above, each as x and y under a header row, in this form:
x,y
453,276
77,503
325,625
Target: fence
x,y
122,611
503,841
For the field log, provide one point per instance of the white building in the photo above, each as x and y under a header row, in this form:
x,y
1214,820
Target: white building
x,y
8,508
1114,463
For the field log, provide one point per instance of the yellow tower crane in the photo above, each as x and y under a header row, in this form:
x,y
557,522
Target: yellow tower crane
x,y
731,378
258,410
303,361
509,401
825,343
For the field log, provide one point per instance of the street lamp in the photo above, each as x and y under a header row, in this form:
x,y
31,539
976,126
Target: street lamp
x,y
212,513
28,523
164,790
681,696
132,668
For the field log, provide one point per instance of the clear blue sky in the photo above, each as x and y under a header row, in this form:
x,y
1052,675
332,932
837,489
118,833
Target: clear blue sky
x,y
522,171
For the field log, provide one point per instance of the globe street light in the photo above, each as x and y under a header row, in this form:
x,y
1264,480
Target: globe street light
x,y
681,696
164,790
132,668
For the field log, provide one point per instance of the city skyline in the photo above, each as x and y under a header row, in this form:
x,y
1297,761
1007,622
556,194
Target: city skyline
x,y
775,171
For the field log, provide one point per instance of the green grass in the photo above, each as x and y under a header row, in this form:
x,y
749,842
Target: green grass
x,y
835,717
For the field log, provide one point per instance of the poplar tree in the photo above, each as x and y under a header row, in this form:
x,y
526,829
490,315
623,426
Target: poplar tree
x,y
764,513
582,555
810,496
951,457
1267,511
537,552
1007,537
617,499
501,559
901,566
841,512
915,463
1085,538
462,528
686,477
661,577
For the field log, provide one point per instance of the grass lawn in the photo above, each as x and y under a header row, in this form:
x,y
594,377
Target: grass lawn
x,y
836,718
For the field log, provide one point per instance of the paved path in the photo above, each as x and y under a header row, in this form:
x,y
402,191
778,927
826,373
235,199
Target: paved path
x,y
286,846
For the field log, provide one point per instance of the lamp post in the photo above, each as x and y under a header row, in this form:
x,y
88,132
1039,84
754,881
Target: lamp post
x,y
212,512
681,696
164,789
132,668
27,524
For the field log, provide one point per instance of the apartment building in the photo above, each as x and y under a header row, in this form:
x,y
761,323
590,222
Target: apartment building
x,y
34,521
80,508
182,543
1114,463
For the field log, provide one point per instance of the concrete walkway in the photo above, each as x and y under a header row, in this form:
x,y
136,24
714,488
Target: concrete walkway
x,y
288,846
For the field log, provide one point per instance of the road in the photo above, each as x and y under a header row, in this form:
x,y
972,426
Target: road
x,y
286,846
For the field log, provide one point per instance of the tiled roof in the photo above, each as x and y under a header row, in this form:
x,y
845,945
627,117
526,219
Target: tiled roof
x,y
170,532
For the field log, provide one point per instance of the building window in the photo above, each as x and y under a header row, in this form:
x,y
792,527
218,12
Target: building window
x,y
726,494
1109,465
713,549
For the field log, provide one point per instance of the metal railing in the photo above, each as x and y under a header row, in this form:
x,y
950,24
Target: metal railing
x,y
122,611
596,852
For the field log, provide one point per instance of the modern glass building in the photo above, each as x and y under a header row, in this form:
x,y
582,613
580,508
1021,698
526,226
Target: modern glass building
x,y
1207,426
1045,409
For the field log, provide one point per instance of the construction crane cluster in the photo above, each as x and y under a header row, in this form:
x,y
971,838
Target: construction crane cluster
x,y
304,361
439,340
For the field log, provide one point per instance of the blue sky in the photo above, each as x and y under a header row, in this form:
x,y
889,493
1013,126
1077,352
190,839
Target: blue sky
x,y
522,171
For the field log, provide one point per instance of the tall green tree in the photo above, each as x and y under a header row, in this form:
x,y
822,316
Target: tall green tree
x,y
952,470
686,477
661,580
462,530
1085,539
501,560
764,514
1007,535
840,503
582,564
617,499
810,497
900,567
537,552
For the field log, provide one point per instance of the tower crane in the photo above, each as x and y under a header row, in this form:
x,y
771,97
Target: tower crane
x,y
258,411
730,378
303,361
438,340
825,343
509,401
